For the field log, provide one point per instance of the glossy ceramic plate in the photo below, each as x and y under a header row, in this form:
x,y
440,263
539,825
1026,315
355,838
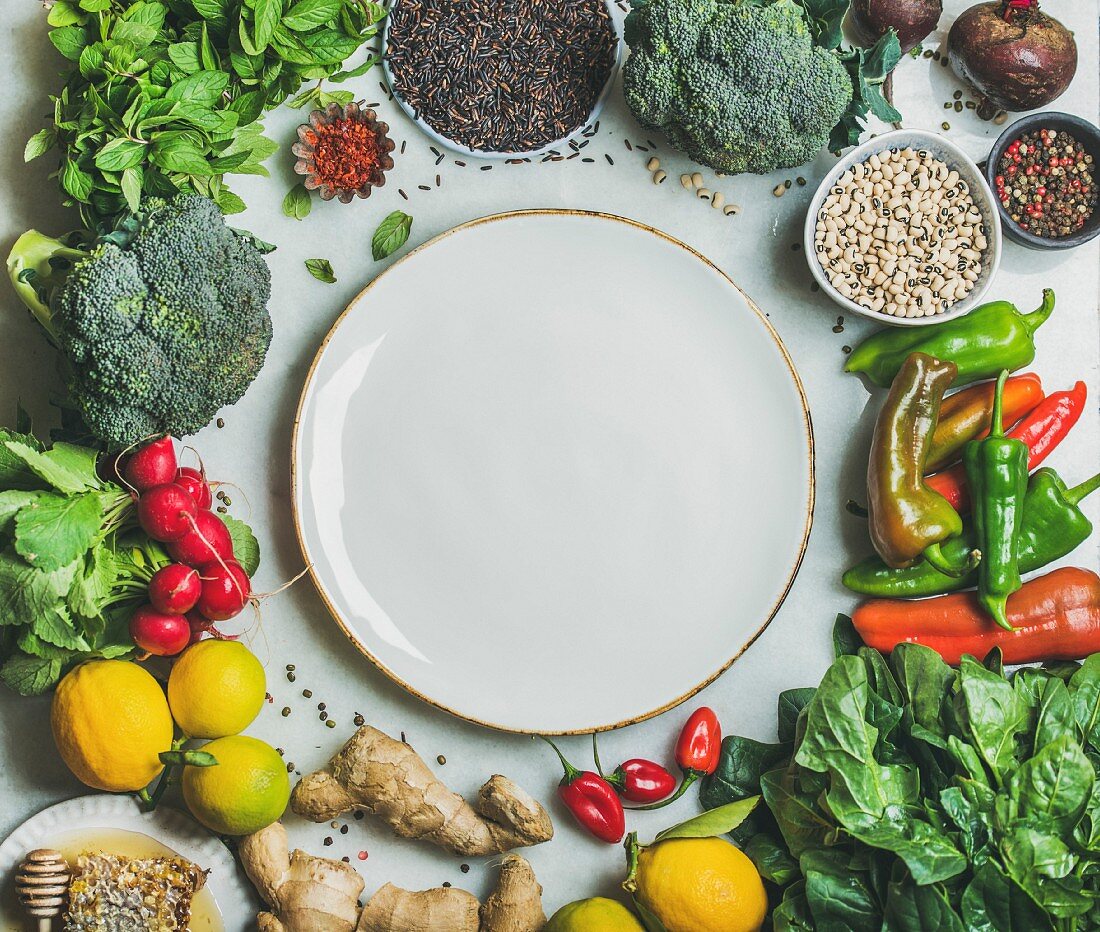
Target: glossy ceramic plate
x,y
553,471
117,824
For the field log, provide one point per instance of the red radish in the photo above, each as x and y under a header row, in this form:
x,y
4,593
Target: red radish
x,y
174,589
154,464
199,624
195,483
166,512
225,590
156,633
207,540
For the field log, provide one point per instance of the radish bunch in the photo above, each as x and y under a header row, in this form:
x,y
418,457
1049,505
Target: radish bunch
x,y
204,584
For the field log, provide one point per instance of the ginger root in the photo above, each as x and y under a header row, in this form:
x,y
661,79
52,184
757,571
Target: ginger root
x,y
306,893
311,894
387,777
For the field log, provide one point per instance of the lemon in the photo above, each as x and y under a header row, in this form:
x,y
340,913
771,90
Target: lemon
x,y
595,915
701,885
245,791
110,720
216,688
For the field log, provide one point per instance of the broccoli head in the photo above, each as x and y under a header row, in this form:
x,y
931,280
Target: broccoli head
x,y
739,85
159,324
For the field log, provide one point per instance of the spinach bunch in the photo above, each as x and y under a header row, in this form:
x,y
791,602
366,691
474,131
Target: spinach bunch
x,y
165,96
74,565
906,795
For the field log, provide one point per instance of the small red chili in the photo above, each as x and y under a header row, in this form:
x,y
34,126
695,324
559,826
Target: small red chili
x,y
638,780
698,750
592,800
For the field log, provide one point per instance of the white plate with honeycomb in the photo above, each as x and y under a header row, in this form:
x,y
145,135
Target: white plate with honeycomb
x,y
117,825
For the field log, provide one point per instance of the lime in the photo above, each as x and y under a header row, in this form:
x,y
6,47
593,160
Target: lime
x,y
597,914
110,720
245,791
216,688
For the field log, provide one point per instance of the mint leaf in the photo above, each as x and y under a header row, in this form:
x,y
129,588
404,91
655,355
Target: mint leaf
x,y
391,235
30,676
53,531
297,203
308,14
56,627
67,467
321,269
38,144
246,549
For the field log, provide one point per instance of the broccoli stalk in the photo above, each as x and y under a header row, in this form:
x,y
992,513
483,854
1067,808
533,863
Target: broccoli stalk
x,y
159,324
37,266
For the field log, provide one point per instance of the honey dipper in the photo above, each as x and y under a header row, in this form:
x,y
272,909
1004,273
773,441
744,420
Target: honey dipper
x,y
42,882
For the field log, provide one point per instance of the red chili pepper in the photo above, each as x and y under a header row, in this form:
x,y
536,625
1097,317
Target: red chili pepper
x,y
592,800
1042,430
698,750
638,779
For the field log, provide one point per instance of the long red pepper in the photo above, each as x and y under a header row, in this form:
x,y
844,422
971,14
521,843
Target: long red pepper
x,y
638,780
592,800
1042,430
698,750
1054,617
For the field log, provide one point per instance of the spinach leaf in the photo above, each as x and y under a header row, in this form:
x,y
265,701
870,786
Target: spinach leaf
x,y
771,858
846,639
993,902
914,908
742,763
1084,685
839,892
1055,717
791,703
802,822
793,912
995,716
1051,789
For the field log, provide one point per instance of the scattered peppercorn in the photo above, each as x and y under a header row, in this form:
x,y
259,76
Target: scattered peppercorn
x,y
343,829
441,760
321,707
286,711
308,693
291,677
220,422
327,841
1045,183
465,868
359,720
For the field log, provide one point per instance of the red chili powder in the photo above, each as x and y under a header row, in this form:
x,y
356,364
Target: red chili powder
x,y
345,154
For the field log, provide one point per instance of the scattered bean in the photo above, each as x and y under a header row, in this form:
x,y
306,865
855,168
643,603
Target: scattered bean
x,y
659,177
653,164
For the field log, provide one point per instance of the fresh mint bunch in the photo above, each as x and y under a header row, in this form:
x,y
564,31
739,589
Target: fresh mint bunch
x,y
167,97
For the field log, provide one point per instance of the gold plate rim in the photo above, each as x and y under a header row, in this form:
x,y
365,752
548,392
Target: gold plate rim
x,y
563,212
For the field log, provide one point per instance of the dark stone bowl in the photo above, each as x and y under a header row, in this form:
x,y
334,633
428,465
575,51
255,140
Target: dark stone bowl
x,y
1085,133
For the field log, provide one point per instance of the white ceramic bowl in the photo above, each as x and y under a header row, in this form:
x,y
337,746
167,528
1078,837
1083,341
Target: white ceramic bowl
x,y
460,149
941,148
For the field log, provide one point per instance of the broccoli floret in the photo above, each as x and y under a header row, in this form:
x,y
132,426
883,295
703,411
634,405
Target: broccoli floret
x,y
738,85
159,325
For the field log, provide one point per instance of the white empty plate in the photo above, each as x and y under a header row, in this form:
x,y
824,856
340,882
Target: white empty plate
x,y
553,471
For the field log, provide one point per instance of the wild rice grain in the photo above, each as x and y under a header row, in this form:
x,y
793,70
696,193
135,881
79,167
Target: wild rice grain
x,y
501,75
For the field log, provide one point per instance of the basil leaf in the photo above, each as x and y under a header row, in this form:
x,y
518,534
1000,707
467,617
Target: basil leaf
x,y
38,144
391,235
321,269
297,202
308,14
131,184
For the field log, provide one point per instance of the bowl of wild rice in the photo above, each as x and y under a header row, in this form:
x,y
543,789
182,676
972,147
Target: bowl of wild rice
x,y
501,79
904,230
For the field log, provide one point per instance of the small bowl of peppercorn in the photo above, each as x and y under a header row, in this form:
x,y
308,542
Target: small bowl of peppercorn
x,y
1044,170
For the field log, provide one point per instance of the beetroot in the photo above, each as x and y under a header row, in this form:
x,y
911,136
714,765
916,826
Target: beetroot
x,y
166,512
204,543
225,590
195,483
174,589
912,20
157,633
153,464
1014,54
